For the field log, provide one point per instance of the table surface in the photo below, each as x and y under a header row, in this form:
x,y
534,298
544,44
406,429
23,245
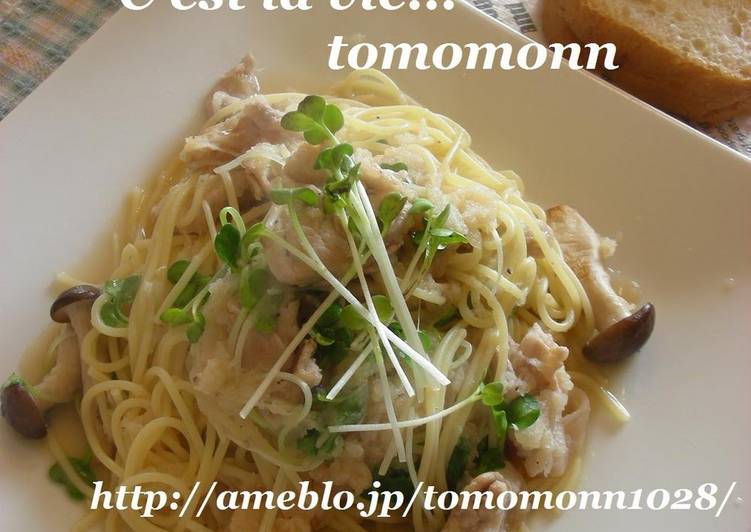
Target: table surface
x,y
37,36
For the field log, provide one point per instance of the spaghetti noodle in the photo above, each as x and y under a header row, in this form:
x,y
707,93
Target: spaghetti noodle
x,y
276,336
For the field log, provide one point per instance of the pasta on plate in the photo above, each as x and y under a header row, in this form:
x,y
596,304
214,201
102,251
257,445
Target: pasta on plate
x,y
333,289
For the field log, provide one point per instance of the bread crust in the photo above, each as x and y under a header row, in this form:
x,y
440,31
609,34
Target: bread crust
x,y
649,69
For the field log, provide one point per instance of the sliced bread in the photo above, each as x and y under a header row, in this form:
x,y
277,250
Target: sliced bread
x,y
688,57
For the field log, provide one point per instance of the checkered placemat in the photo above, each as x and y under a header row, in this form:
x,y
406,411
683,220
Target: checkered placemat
x,y
36,36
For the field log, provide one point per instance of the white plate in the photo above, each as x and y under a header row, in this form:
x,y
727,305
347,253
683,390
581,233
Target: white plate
x,y
678,201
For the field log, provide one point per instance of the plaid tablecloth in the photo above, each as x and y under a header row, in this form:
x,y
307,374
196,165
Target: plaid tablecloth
x,y
36,36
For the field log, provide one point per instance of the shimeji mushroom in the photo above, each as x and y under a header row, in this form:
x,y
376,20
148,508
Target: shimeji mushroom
x,y
622,329
24,407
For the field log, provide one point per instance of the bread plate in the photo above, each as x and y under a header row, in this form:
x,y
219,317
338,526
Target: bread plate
x,y
675,199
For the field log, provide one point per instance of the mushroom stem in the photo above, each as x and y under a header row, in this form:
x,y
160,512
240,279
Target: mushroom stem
x,y
623,331
65,379
24,409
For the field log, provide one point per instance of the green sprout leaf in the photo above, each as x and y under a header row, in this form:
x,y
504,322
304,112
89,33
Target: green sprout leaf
x,y
195,285
112,315
492,394
336,158
383,307
424,337
196,328
120,292
297,121
267,311
315,119
123,290
396,167
390,207
313,107
285,196
176,317
421,206
227,245
523,411
333,118
342,186
177,270
441,219
352,320
253,285
500,422
253,234
443,238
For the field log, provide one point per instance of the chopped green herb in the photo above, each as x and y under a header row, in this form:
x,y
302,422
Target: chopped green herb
x,y
345,409
457,463
321,339
488,458
332,336
309,443
447,319
425,340
353,321
331,316
350,410
396,479
82,467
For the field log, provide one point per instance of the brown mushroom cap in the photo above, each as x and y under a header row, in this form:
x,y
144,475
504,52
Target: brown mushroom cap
x,y
623,338
84,292
21,411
